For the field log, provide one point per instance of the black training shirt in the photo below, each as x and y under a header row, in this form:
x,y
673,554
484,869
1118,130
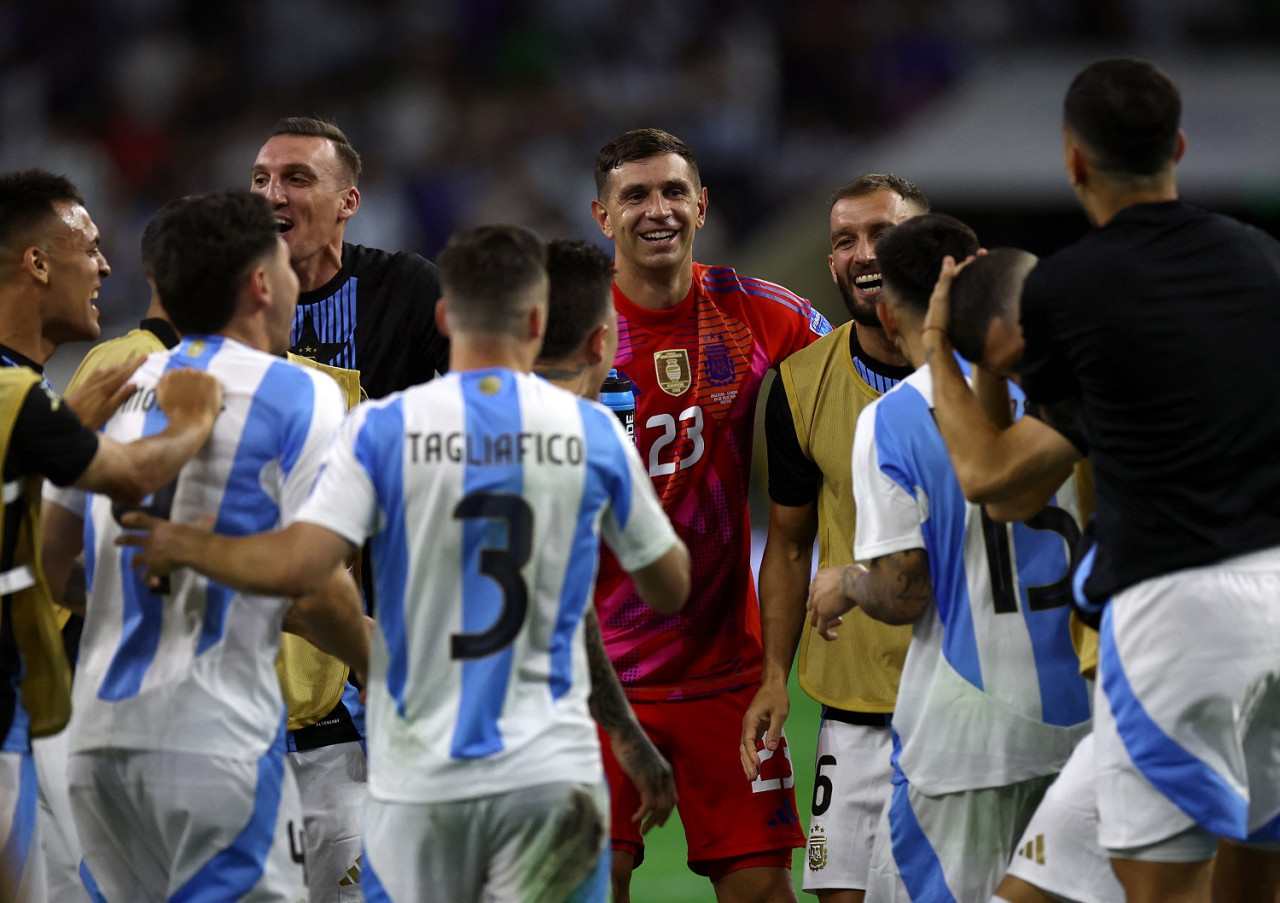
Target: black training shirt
x,y
49,439
47,436
1164,323
377,315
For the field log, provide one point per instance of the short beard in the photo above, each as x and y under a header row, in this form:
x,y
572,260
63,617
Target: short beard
x,y
863,316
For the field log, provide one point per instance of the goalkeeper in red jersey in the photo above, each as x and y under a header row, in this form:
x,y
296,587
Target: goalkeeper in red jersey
x,y
696,342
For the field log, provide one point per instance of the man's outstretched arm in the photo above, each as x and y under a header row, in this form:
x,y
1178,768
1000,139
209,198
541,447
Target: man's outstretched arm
x,y
784,585
296,561
632,748
333,620
130,472
100,394
664,584
994,463
895,589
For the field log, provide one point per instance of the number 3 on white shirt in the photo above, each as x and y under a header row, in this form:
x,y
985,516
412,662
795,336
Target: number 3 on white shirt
x,y
667,424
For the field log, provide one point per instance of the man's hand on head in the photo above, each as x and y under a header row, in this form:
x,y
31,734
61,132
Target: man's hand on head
x,y
937,320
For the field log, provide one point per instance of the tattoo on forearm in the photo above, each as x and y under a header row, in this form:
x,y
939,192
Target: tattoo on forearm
x,y
634,751
608,703
849,585
903,587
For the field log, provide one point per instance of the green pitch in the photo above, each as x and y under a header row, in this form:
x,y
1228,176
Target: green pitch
x,y
665,877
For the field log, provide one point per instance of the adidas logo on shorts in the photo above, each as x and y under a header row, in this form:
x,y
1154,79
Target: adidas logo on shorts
x,y
353,874
1034,850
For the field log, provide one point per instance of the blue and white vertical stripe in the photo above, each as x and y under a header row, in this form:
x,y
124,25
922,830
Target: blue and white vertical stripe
x,y
485,601
193,670
875,380
233,871
19,797
485,493
333,321
983,661
1204,750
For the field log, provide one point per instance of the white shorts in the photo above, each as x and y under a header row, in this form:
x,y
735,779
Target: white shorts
x,y
958,843
22,872
159,824
332,786
1187,709
541,844
852,780
1059,852
58,838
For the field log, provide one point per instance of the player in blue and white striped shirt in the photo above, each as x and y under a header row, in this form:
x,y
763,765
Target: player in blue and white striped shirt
x,y
991,701
177,769
486,493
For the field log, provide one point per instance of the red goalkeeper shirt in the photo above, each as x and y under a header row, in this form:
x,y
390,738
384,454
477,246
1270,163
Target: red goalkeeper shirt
x,y
696,370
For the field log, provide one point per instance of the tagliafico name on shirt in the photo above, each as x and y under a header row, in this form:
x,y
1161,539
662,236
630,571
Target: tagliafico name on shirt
x,y
494,450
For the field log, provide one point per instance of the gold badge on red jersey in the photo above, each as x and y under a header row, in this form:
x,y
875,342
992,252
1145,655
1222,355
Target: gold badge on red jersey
x,y
672,366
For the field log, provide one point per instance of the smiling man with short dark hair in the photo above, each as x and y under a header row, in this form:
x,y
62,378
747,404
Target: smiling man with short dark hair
x,y
360,308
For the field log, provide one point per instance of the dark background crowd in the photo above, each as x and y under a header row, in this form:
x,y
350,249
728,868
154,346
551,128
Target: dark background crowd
x,y
471,111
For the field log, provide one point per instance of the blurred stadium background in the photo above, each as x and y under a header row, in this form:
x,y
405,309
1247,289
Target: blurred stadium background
x,y
471,111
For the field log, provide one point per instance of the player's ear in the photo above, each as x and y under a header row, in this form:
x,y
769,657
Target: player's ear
x,y
601,214
255,292
442,319
36,263
1182,146
702,208
260,283
537,322
1074,159
596,341
831,265
884,312
350,204
1077,166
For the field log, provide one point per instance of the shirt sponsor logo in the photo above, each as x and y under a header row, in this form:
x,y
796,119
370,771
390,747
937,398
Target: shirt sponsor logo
x,y
672,366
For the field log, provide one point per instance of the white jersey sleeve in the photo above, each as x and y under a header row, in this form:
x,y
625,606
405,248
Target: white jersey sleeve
x,y
634,527
889,517
190,666
990,692
484,495
313,438
343,498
